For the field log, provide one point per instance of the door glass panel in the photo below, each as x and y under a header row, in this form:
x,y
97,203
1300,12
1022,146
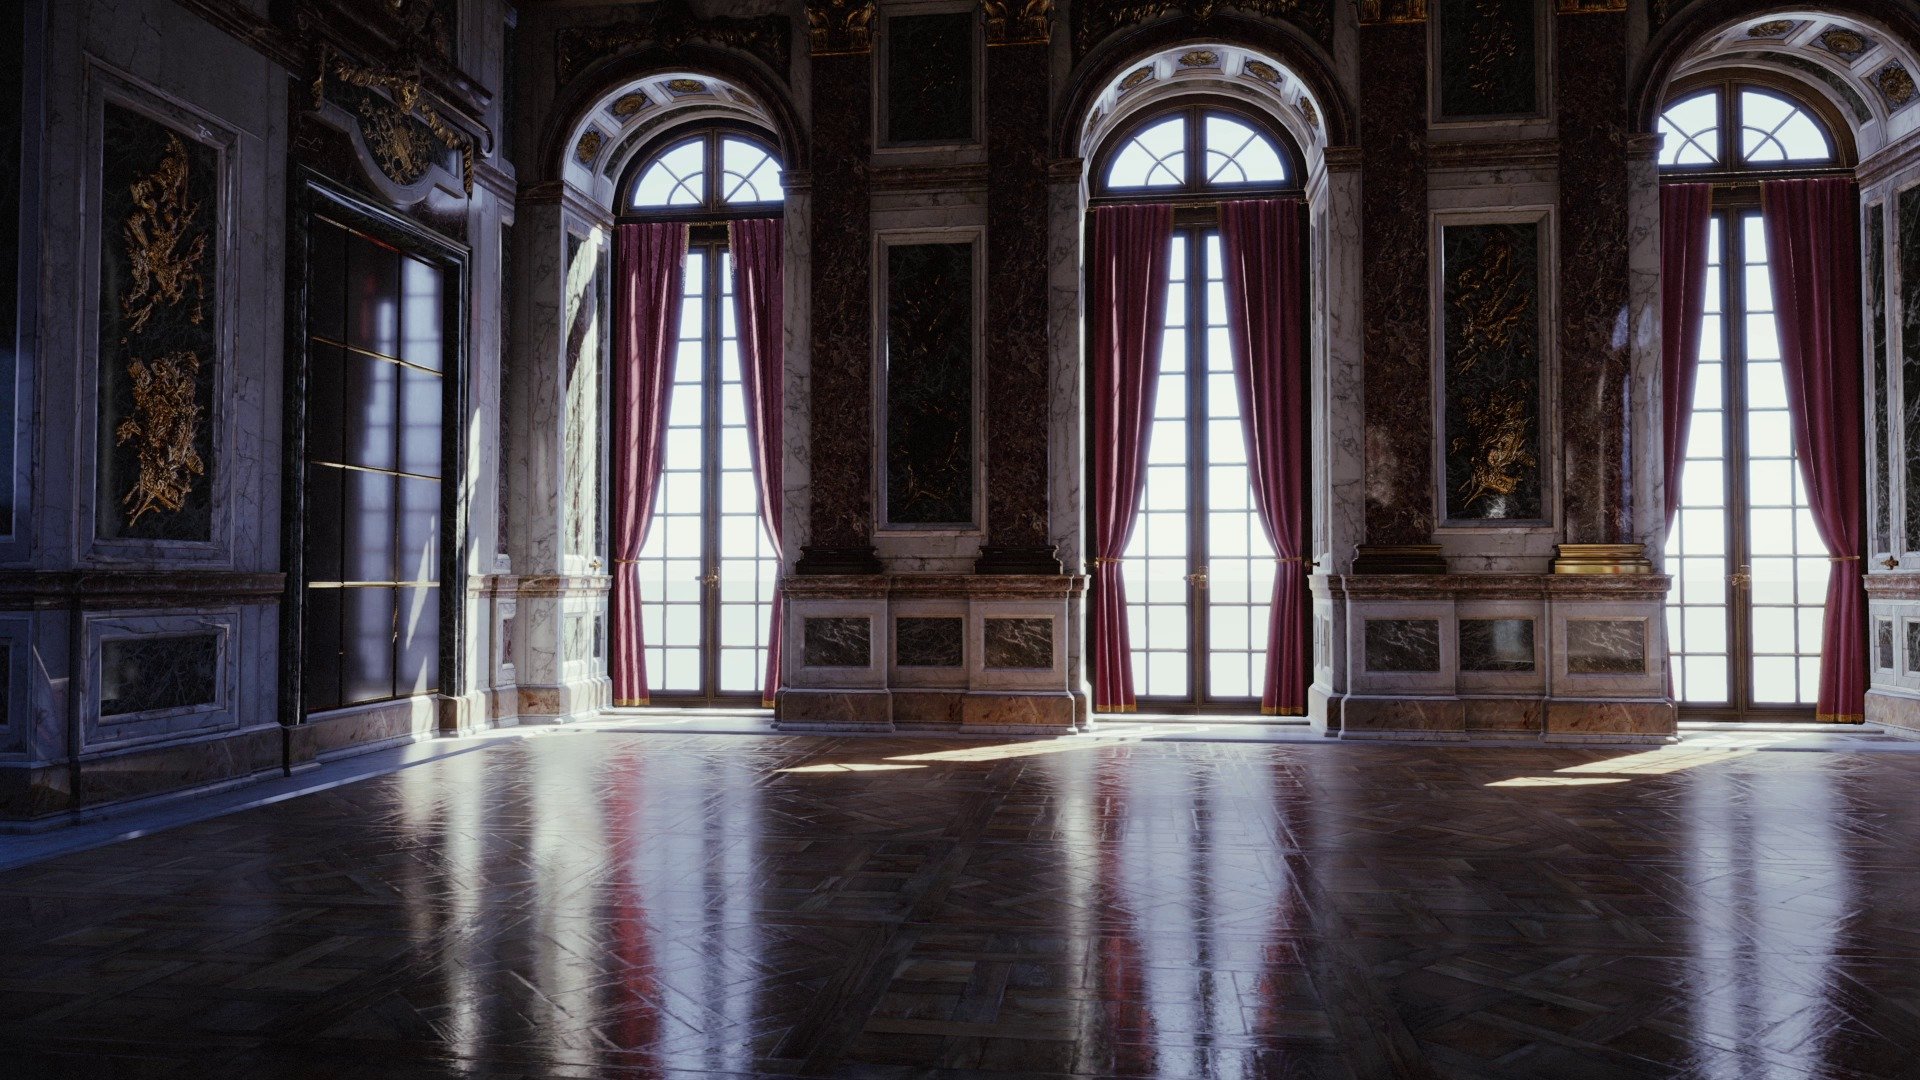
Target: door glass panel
x,y
671,558
1155,566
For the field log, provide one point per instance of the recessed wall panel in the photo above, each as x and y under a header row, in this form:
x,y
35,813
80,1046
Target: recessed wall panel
x,y
930,70
1491,312
1488,58
929,384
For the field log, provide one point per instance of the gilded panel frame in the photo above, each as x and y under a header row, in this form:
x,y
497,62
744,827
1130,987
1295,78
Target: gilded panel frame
x,y
107,86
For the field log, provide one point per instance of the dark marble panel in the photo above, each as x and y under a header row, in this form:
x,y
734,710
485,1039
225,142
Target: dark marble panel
x,y
1913,647
12,88
929,380
159,304
1019,643
1399,424
1874,288
1496,645
1489,60
929,642
1909,256
1403,645
146,674
10,739
930,65
841,512
1016,314
1592,96
1607,646
839,642
1492,322
1883,644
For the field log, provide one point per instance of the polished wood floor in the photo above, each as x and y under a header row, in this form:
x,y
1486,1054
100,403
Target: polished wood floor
x,y
703,906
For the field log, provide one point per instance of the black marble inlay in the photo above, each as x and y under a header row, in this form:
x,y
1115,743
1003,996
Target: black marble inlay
x,y
929,383
1487,58
146,674
839,642
1403,645
1019,643
1496,644
1873,287
929,642
930,66
159,304
1606,646
1883,632
1492,318
1913,647
1910,362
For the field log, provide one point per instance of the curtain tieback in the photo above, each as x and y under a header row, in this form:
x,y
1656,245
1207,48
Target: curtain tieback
x,y
1304,560
1105,560
625,562
1843,558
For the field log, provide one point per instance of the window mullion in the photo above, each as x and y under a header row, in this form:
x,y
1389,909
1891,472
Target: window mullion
x,y
1197,364
1739,497
710,477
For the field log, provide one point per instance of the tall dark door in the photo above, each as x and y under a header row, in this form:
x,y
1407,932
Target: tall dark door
x,y
376,356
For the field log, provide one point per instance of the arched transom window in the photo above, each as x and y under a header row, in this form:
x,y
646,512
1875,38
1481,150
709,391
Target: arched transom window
x,y
717,169
1197,148
1733,125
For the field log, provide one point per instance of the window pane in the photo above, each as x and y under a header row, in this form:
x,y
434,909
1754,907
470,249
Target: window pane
x,y
1156,157
1692,130
750,173
1773,130
677,178
1237,154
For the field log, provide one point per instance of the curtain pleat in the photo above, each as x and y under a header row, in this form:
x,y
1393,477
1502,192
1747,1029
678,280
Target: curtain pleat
x,y
758,312
1261,243
1813,253
1131,249
649,266
1686,218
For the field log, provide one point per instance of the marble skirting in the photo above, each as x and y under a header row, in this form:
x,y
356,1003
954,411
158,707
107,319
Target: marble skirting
x,y
39,791
928,710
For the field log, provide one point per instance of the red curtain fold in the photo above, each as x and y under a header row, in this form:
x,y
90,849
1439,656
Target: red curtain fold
x,y
1131,249
758,311
1260,240
1813,253
649,260
1686,218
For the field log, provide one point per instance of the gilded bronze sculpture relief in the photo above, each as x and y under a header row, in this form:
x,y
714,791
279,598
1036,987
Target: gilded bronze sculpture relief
x,y
839,27
1492,371
163,264
1018,22
403,131
163,430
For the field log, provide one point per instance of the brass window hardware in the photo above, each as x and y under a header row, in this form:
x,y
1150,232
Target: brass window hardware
x,y
1198,579
1742,578
709,580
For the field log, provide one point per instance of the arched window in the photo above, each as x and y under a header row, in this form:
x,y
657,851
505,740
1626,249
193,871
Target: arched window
x,y
715,170
1198,148
1744,615
707,569
1737,125
1199,571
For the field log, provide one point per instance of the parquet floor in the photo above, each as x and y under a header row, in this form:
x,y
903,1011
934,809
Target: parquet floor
x,y
702,906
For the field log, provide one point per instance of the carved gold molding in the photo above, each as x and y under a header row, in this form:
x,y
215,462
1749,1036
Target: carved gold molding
x,y
1018,22
839,27
1386,12
1602,559
162,271
399,148
163,428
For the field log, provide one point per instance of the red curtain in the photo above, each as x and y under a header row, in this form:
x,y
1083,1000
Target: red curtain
x,y
1260,240
757,280
1686,217
1131,249
1813,252
649,259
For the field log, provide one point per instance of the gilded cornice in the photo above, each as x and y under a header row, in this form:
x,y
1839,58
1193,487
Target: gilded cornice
x,y
1098,20
671,25
1374,12
839,27
1018,22
398,127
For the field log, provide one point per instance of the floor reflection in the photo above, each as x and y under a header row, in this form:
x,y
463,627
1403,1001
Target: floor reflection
x,y
697,906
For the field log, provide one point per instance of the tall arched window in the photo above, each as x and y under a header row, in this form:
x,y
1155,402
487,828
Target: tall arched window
x,y
1199,569
1744,616
708,570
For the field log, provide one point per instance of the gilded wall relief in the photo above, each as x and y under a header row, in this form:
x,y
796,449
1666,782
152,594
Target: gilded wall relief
x,y
930,78
1873,288
1018,22
1491,312
839,27
402,130
1094,22
929,384
1488,59
158,339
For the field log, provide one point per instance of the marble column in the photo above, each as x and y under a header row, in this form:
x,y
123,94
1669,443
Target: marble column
x,y
1394,306
840,383
1017,288
1595,365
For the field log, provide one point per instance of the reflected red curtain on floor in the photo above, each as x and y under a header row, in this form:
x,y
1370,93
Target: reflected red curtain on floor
x,y
1131,249
1686,219
1260,240
649,268
758,310
1813,252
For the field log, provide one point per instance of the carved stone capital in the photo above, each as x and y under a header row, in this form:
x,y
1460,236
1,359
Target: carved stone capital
x,y
1018,22
839,27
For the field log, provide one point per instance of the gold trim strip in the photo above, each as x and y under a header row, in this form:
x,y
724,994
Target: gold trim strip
x,y
378,472
376,355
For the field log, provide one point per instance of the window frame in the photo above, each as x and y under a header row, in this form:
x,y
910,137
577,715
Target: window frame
x,y
1732,163
713,206
1195,109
